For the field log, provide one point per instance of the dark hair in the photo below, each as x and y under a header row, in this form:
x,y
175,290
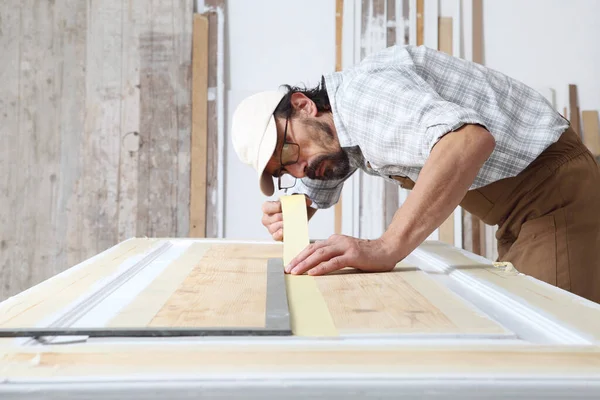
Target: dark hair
x,y
317,94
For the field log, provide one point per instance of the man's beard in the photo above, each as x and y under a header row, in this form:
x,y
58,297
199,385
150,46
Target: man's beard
x,y
322,134
339,168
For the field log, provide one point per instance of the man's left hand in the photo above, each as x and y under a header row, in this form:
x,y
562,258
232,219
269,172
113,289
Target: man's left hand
x,y
341,251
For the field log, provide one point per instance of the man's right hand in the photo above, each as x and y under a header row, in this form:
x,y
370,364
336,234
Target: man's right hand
x,y
273,218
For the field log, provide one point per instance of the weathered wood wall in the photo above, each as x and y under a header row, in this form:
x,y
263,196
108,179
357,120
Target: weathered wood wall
x,y
95,130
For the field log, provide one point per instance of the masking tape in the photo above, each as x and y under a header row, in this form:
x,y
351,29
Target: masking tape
x,y
295,226
309,314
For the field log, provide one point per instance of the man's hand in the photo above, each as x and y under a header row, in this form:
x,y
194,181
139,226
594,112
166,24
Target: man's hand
x,y
273,218
339,252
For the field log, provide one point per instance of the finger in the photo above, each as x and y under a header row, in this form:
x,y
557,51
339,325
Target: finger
x,y
278,236
271,207
319,256
329,266
269,219
307,251
275,227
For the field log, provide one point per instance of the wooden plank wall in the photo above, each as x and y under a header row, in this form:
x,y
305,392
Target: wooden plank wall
x,y
95,127
214,8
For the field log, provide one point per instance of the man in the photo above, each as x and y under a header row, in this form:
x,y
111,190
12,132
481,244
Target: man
x,y
454,132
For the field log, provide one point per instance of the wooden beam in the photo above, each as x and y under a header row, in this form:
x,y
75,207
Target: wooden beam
x,y
478,51
391,200
574,109
199,127
591,131
420,12
445,44
339,20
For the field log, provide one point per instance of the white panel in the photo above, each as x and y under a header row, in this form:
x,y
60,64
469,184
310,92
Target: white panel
x,y
412,20
253,66
456,29
430,24
467,36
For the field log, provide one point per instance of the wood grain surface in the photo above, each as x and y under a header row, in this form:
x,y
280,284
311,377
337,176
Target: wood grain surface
x,y
121,360
95,128
224,289
402,301
29,308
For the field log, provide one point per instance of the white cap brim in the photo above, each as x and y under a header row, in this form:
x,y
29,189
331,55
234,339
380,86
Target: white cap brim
x,y
265,152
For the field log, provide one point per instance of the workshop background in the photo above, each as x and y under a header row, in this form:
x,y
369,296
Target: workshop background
x,y
115,114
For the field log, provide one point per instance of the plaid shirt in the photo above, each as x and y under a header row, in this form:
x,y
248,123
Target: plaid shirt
x,y
393,107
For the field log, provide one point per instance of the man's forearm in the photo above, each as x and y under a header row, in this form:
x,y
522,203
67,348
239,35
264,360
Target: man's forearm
x,y
443,182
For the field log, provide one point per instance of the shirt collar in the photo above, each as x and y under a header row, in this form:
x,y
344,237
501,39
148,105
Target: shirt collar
x,y
332,85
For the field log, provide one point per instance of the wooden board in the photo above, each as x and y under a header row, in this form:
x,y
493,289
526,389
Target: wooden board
x,y
30,308
96,115
478,44
574,108
591,131
143,309
199,127
403,301
339,25
215,106
134,18
420,23
445,40
221,291
122,360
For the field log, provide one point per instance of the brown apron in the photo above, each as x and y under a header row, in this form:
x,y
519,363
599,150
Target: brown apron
x,y
548,216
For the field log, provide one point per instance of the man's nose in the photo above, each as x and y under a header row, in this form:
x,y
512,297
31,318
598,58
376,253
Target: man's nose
x,y
297,170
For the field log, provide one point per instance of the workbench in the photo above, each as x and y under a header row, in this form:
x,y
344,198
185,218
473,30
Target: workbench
x,y
190,318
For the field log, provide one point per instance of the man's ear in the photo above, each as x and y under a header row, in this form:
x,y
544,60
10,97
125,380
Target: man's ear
x,y
303,105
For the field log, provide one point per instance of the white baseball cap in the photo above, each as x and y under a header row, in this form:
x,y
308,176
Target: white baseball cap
x,y
254,134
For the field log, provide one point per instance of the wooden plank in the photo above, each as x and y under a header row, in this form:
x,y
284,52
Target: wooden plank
x,y
220,291
478,51
70,26
100,150
160,136
591,131
360,303
212,167
420,15
112,360
339,20
391,198
182,25
13,266
564,307
145,306
199,127
445,43
134,19
445,35
574,108
372,189
473,228
27,309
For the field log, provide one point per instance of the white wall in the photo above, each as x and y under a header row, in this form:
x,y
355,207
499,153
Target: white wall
x,y
269,43
546,43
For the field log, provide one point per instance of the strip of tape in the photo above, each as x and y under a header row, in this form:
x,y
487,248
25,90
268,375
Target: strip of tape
x,y
309,314
295,226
